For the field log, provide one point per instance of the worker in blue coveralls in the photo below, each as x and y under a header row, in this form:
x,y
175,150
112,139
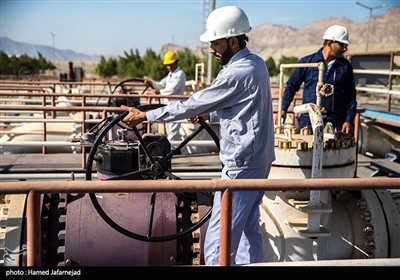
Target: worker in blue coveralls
x,y
240,100
340,107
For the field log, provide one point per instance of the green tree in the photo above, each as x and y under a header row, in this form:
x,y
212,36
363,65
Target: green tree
x,y
99,69
4,63
288,60
272,69
27,65
187,62
106,68
130,66
153,66
14,65
23,65
44,64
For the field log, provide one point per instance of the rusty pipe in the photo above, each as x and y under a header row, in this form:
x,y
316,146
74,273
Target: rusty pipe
x,y
225,228
319,83
33,229
226,186
294,65
318,135
109,186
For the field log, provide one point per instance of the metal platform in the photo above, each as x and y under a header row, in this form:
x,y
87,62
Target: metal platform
x,y
64,166
18,167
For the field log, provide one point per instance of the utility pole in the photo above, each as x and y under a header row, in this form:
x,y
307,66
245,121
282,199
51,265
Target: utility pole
x,y
210,56
54,57
282,38
53,35
369,20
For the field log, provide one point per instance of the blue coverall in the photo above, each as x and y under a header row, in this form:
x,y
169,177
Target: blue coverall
x,y
340,106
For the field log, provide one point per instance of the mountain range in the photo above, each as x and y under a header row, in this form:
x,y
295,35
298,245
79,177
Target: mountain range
x,y
267,40
12,47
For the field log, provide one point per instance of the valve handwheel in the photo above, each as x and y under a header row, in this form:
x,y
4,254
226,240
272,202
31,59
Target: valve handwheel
x,y
157,169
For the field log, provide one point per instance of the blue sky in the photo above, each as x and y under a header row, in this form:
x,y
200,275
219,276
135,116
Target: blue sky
x,y
112,27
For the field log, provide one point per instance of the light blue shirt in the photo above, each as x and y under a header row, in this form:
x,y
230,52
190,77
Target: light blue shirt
x,y
240,99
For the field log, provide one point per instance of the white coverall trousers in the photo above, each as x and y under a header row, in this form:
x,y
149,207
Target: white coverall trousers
x,y
172,130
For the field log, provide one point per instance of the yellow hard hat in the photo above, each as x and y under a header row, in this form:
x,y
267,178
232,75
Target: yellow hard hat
x,y
169,58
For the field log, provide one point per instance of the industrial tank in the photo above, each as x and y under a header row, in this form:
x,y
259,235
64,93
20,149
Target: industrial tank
x,y
329,224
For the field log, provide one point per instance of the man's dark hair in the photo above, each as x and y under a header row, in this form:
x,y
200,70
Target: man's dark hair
x,y
242,40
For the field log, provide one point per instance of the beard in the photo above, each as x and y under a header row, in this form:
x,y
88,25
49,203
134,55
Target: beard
x,y
225,56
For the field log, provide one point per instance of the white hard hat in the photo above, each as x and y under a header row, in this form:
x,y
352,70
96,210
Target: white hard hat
x,y
224,22
337,33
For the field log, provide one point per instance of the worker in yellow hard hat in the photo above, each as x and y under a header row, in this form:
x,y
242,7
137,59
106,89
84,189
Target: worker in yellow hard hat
x,y
173,84
169,58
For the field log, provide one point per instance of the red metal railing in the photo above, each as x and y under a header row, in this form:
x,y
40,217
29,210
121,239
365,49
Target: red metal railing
x,y
35,188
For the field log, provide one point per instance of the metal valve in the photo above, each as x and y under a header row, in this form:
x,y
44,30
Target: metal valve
x,y
325,89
